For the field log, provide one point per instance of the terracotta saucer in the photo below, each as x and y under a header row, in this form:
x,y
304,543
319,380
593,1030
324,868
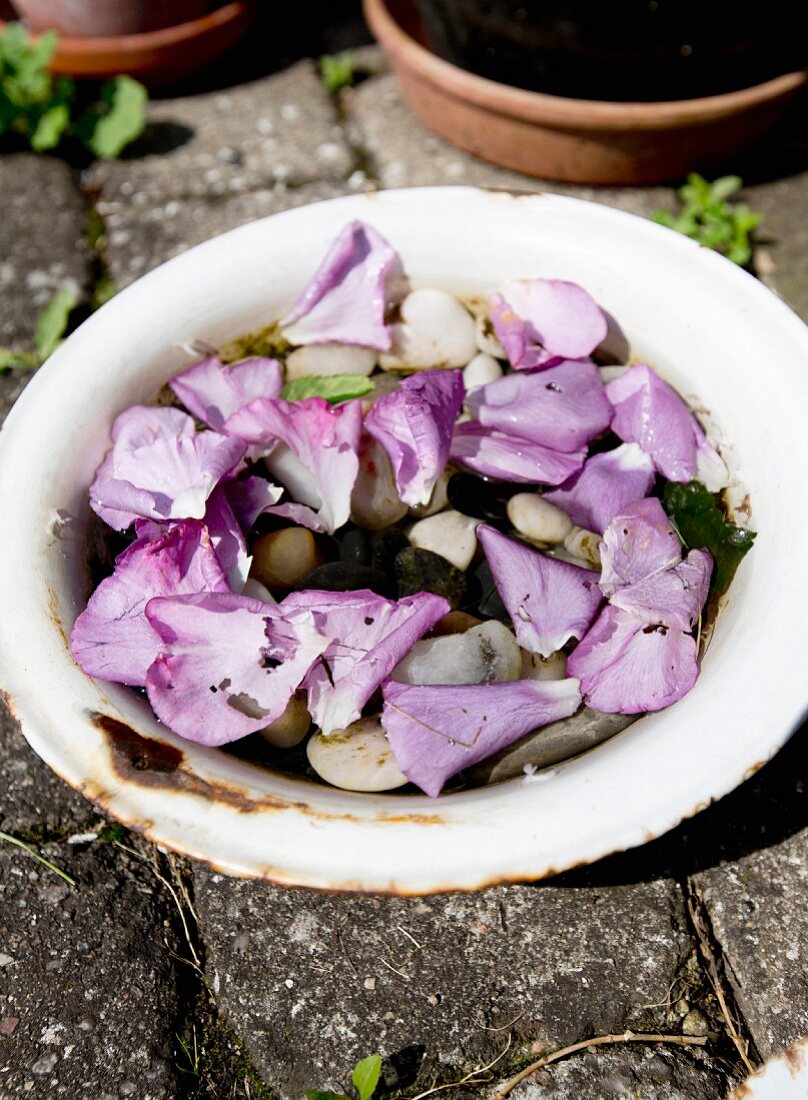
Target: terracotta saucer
x,y
575,140
156,57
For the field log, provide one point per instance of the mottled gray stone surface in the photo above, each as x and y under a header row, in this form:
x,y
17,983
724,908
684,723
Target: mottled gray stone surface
x,y
139,237
782,257
42,241
88,1001
632,1071
759,917
280,129
313,982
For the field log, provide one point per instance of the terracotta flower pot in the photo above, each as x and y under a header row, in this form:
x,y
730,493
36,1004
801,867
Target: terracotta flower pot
x,y
576,140
104,18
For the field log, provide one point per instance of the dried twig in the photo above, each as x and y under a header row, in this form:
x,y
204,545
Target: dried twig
x,y
598,1041
715,982
471,1078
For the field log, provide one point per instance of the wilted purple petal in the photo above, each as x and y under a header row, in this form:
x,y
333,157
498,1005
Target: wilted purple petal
x,y
494,454
232,509
228,664
673,597
637,543
627,666
436,731
112,639
539,321
370,636
549,601
649,412
608,483
324,438
212,391
346,300
414,425
159,468
563,407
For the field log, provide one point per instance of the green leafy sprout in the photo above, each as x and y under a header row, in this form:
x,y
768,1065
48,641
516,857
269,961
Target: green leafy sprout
x,y
43,109
707,217
333,387
338,71
702,525
365,1078
51,325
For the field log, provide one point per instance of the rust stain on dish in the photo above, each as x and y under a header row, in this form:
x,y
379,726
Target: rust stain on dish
x,y
753,768
795,1059
56,618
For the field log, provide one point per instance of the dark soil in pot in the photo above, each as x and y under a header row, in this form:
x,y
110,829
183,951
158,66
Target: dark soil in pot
x,y
631,50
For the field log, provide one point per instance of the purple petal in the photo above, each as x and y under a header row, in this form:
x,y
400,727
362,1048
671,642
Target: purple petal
x,y
112,639
608,483
637,543
371,635
540,320
549,601
414,425
228,666
346,300
494,454
649,412
628,667
324,438
673,597
435,731
563,407
212,392
232,509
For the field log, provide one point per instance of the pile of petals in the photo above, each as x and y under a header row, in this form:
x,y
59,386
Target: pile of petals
x,y
180,619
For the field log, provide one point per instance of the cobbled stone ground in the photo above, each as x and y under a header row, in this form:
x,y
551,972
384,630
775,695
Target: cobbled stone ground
x,y
105,992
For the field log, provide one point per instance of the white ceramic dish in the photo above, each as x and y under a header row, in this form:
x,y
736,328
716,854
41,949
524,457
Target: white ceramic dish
x,y
714,331
784,1077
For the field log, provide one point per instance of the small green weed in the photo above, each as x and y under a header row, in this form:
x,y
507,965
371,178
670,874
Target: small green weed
x,y
707,217
365,1078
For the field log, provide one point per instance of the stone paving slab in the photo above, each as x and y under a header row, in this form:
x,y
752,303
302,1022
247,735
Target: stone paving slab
x,y
88,998
139,238
314,982
280,129
782,257
42,241
759,917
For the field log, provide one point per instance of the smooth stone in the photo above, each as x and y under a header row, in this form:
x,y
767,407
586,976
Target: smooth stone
x,y
358,758
292,726
550,745
422,571
285,467
282,558
354,548
538,519
339,576
483,655
375,502
456,622
477,496
487,340
585,545
490,602
536,667
608,374
435,330
383,383
385,546
564,555
328,359
257,591
450,534
437,498
480,371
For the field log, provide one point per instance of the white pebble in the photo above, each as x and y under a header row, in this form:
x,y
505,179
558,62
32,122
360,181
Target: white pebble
x,y
487,339
450,534
585,545
328,359
483,655
257,591
375,502
564,555
538,519
437,500
383,383
436,330
480,371
535,667
292,726
358,758
608,374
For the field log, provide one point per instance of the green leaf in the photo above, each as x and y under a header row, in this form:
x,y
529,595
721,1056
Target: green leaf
x,y
52,322
338,70
317,1094
702,525
333,387
49,129
118,118
366,1076
708,218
